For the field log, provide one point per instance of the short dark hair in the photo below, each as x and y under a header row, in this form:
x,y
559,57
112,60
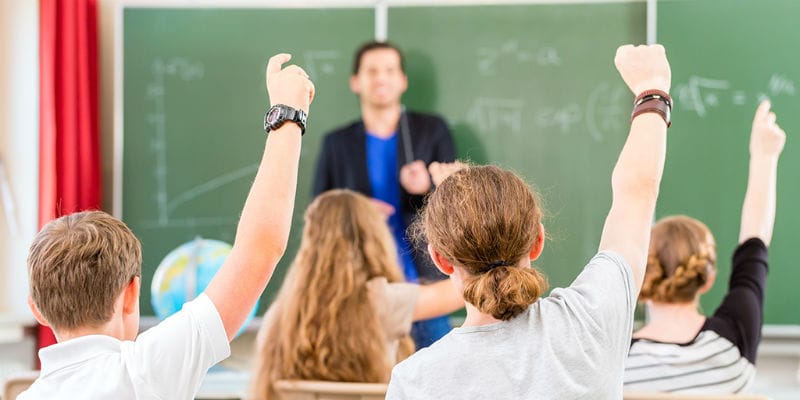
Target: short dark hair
x,y
376,45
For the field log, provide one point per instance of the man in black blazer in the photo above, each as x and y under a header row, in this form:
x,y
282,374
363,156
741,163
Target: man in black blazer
x,y
385,156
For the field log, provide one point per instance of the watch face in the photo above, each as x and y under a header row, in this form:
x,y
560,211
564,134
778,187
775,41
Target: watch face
x,y
273,116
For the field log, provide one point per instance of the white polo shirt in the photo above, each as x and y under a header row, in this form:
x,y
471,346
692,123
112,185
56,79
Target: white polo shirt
x,y
168,361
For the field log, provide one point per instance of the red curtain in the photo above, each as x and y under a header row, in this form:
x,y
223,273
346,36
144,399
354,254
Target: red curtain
x,y
69,140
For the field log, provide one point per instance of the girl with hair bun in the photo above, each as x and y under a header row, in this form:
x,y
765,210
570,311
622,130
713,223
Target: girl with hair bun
x,y
681,350
483,228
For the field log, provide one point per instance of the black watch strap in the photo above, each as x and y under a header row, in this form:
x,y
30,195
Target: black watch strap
x,y
279,114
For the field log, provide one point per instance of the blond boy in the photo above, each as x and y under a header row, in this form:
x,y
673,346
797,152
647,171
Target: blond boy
x,y
85,277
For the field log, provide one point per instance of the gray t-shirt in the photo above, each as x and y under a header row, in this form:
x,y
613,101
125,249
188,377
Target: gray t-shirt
x,y
570,345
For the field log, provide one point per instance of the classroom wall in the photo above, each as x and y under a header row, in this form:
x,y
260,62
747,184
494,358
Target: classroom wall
x,y
105,32
19,131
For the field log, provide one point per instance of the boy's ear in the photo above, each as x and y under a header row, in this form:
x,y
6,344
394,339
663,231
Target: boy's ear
x,y
130,300
538,244
36,314
440,261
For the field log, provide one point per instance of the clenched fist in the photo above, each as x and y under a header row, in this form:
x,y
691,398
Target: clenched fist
x,y
644,67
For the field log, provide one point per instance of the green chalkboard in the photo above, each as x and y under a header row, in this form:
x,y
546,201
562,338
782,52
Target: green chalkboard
x,y
193,103
726,55
532,88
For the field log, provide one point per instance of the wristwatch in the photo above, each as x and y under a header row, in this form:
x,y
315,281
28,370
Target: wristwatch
x,y
279,114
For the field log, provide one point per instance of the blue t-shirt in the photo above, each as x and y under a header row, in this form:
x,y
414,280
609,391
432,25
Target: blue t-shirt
x,y
384,178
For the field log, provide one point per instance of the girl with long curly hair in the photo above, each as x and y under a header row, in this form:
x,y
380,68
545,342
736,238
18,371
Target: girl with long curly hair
x,y
344,312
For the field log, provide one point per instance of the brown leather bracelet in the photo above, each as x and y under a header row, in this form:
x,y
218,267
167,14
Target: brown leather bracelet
x,y
653,94
655,101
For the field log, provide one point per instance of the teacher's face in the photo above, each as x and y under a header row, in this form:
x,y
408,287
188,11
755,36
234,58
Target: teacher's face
x,y
380,81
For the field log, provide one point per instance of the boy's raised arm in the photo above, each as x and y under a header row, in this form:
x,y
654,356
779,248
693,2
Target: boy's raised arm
x,y
263,230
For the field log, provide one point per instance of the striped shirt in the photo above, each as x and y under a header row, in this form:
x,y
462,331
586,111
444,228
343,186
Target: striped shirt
x,y
709,364
721,358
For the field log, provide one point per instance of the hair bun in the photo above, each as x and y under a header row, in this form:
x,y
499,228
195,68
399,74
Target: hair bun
x,y
504,291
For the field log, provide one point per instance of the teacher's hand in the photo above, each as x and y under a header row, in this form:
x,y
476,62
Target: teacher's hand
x,y
414,178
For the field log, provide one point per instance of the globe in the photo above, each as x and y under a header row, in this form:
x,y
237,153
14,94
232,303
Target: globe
x,y
185,273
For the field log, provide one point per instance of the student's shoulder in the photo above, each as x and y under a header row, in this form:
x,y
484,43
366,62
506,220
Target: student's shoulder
x,y
411,369
382,287
422,364
198,317
752,250
606,280
609,258
608,267
605,268
428,373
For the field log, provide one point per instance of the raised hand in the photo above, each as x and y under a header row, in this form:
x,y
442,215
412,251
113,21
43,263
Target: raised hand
x,y
290,85
644,67
766,137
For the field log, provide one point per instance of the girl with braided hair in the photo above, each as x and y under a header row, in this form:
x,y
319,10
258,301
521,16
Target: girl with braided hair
x,y
681,350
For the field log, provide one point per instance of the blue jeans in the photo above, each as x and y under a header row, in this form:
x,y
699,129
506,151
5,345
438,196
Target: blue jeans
x,y
428,331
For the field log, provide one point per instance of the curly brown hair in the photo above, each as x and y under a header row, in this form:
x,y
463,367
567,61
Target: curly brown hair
x,y
323,325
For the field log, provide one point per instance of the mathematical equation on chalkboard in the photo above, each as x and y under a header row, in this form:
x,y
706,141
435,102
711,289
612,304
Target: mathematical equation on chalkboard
x,y
319,63
701,95
605,112
606,108
510,51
